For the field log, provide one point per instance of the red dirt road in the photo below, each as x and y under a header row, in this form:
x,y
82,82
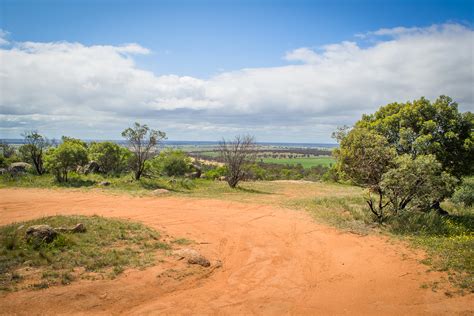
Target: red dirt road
x,y
275,261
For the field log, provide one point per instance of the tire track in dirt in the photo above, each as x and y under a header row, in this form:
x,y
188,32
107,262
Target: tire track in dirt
x,y
275,261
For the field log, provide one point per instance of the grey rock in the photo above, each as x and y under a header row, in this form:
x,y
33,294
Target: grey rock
x,y
91,167
19,167
192,257
41,233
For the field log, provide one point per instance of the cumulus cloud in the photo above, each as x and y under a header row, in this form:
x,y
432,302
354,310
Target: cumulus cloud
x,y
101,89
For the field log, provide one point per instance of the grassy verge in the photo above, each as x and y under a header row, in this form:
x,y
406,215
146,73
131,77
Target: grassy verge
x,y
124,183
103,251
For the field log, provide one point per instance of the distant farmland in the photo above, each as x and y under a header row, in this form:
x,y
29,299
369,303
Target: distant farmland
x,y
304,161
291,156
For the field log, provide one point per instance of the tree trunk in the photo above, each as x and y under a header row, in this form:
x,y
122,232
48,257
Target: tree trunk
x,y
437,207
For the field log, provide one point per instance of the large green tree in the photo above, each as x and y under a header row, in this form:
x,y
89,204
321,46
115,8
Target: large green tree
x,y
408,153
422,127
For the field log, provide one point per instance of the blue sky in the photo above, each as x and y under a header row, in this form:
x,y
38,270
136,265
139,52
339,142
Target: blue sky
x,y
202,51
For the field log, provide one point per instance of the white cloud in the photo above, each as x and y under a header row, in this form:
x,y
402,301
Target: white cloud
x,y
101,88
3,37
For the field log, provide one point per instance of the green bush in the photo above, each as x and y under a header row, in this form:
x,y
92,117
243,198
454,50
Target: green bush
x,y
65,158
465,193
171,163
215,173
110,157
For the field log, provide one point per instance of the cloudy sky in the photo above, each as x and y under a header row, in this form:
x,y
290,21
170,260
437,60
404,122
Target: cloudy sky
x,y
202,70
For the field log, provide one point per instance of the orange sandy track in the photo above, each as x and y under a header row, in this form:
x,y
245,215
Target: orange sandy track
x,y
275,261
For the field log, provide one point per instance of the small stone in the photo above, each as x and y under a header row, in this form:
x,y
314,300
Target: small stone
x,y
160,191
104,183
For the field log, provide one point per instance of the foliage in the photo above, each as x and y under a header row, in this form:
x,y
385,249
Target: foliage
x,y
432,142
236,155
6,149
3,161
143,142
65,158
108,245
33,149
422,127
465,193
363,158
171,163
110,157
215,173
416,184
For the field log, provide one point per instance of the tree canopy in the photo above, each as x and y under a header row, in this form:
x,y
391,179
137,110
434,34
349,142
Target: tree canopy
x,y
422,128
408,154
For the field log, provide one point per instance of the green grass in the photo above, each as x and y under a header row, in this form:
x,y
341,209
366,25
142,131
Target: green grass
x,y
103,251
124,183
448,241
305,162
344,212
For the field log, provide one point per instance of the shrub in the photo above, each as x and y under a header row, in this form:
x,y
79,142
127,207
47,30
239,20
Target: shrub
x,y
416,184
110,157
65,158
215,173
171,163
465,193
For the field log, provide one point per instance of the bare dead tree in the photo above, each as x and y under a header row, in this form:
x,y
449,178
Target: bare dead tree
x,y
143,142
235,155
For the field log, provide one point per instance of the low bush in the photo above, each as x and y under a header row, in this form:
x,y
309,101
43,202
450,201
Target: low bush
x,y
465,193
171,163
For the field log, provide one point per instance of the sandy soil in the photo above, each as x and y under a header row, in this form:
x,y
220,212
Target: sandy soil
x,y
275,261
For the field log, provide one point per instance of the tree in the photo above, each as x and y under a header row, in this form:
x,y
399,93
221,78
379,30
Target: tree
x,y
110,157
143,142
236,155
422,128
416,184
363,157
33,149
422,145
171,163
66,157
